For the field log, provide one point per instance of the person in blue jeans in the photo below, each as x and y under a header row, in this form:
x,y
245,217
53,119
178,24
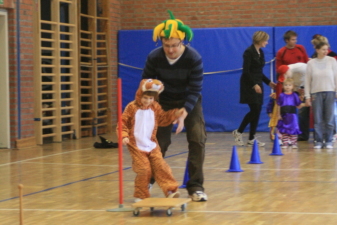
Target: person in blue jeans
x,y
320,92
317,38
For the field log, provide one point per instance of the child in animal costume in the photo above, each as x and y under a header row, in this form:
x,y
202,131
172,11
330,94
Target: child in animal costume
x,y
140,121
295,71
287,125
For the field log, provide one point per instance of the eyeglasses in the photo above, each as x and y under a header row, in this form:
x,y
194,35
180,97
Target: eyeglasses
x,y
172,46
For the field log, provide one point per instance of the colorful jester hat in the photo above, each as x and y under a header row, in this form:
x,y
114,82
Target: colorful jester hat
x,y
172,28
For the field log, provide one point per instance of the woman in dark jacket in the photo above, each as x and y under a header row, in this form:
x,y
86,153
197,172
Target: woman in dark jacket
x,y
251,87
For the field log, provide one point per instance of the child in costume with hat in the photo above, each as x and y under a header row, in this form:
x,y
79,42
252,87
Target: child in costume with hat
x,y
287,125
295,71
140,121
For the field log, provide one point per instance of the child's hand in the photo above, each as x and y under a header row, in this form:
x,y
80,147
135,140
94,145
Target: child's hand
x,y
302,105
125,141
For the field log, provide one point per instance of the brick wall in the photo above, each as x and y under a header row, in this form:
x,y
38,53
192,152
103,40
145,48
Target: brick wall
x,y
26,71
114,27
26,74
26,60
11,13
7,4
12,74
145,14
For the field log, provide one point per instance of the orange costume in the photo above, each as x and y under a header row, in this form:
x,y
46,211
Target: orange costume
x,y
140,125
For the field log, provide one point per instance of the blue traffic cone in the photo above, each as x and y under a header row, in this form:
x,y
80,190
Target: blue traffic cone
x,y
235,163
255,157
276,147
186,177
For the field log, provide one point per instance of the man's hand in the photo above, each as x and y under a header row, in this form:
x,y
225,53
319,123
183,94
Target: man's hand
x,y
180,112
183,114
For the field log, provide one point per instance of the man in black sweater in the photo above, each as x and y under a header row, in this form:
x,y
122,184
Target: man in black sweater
x,y
180,68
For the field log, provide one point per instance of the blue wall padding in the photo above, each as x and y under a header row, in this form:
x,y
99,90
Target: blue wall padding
x,y
221,50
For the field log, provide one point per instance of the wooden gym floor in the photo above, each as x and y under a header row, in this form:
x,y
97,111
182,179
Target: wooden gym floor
x,y
74,183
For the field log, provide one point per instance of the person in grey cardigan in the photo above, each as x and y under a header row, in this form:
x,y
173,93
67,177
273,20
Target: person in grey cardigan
x,y
320,92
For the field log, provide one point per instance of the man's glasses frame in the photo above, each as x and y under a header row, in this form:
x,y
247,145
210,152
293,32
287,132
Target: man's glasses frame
x,y
174,46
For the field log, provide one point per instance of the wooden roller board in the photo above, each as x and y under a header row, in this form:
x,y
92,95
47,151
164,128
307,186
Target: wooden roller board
x,y
168,203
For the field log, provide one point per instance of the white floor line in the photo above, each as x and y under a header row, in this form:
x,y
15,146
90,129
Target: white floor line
x,y
58,210
251,212
69,164
6,164
253,169
187,211
181,167
294,169
172,167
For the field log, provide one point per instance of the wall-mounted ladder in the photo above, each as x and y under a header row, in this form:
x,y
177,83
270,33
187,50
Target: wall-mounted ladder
x,y
72,67
95,94
56,70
